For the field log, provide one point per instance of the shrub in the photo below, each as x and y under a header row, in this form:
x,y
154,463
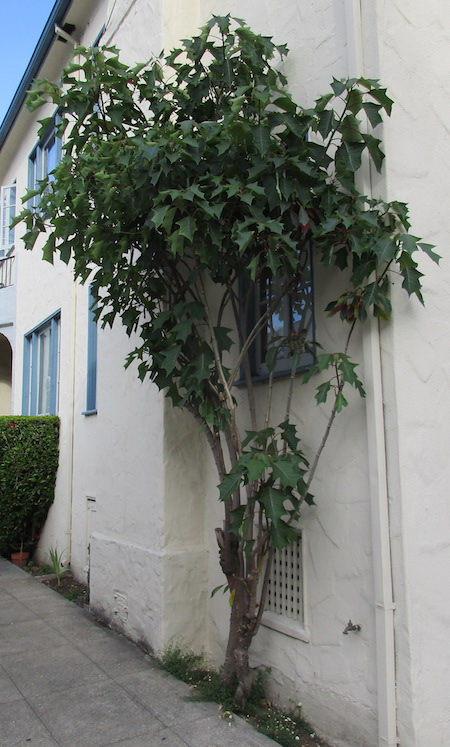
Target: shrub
x,y
29,453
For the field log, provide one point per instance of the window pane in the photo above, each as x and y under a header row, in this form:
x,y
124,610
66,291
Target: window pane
x,y
293,314
44,373
50,157
10,213
7,213
41,369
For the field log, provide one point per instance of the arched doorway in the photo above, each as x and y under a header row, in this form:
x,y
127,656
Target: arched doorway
x,y
5,376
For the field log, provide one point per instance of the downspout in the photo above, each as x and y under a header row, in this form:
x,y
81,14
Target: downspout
x,y
378,484
71,419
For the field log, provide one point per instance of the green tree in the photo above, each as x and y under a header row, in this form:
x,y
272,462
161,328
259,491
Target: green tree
x,y
187,186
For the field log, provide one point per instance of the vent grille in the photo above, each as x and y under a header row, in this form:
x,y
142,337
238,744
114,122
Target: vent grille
x,y
285,590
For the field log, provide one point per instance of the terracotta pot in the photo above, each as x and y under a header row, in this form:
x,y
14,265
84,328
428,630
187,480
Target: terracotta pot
x,y
20,558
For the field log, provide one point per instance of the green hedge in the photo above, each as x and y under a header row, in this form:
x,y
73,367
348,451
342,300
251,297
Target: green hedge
x,y
29,454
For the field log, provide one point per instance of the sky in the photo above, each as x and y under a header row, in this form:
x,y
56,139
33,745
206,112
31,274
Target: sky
x,y
21,24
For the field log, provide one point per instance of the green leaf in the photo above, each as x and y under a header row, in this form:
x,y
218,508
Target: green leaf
x,y
340,402
354,101
223,338
371,294
376,154
350,155
286,470
324,361
199,368
170,358
237,518
322,392
272,499
225,588
326,122
289,434
380,95
411,281
230,484
271,357
428,249
160,214
347,368
282,535
373,113
385,249
182,330
188,227
256,466
409,242
295,125
243,240
338,87
261,136
176,243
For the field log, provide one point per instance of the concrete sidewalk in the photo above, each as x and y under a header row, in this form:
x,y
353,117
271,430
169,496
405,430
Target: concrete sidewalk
x,y
65,680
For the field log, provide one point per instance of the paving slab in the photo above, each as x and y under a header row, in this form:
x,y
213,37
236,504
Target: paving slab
x,y
20,725
67,681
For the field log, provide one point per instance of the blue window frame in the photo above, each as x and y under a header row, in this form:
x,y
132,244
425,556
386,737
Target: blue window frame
x,y
41,368
91,378
44,158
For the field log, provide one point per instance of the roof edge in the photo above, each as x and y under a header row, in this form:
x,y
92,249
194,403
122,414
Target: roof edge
x,y
56,16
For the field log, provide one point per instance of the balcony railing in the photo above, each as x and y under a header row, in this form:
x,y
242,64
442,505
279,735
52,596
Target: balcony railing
x,y
6,271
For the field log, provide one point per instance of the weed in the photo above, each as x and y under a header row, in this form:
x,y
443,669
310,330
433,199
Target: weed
x,y
72,595
38,570
56,563
288,729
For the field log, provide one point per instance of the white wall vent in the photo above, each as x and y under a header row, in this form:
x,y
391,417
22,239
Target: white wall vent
x,y
120,606
285,590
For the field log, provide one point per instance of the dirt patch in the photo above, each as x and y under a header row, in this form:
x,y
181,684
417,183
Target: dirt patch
x,y
68,587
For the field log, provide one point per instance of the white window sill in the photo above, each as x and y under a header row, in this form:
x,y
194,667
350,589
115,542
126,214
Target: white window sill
x,y
284,625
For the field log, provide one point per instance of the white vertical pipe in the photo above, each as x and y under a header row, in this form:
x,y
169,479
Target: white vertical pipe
x,y
378,489
71,418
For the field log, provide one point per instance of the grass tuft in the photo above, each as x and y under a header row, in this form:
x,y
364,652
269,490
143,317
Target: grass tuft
x,y
288,729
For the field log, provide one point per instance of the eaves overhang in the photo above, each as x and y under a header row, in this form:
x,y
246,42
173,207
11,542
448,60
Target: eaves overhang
x,y
46,39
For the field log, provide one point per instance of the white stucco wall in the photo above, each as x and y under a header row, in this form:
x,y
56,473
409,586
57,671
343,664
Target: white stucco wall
x,y
136,482
415,360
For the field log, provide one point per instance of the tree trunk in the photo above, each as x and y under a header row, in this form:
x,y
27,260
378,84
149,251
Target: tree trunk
x,y
236,670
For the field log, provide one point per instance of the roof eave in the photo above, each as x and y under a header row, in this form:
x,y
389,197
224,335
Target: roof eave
x,y
46,39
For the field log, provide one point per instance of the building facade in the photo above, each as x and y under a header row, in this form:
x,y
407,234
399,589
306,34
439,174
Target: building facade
x,y
135,506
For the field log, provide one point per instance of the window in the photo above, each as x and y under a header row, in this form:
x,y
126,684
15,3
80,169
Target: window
x,y
41,368
91,380
7,213
291,322
44,159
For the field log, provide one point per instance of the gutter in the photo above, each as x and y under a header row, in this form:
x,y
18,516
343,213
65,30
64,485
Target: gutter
x,y
378,481
46,39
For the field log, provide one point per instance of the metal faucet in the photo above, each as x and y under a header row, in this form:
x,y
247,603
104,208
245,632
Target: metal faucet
x,y
351,626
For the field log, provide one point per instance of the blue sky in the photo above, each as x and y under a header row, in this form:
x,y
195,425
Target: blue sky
x,y
21,25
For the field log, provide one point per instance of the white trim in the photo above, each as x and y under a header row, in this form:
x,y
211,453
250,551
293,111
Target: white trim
x,y
292,628
7,213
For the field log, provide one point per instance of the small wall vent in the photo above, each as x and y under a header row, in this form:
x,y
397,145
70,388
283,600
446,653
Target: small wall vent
x,y
120,606
285,590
